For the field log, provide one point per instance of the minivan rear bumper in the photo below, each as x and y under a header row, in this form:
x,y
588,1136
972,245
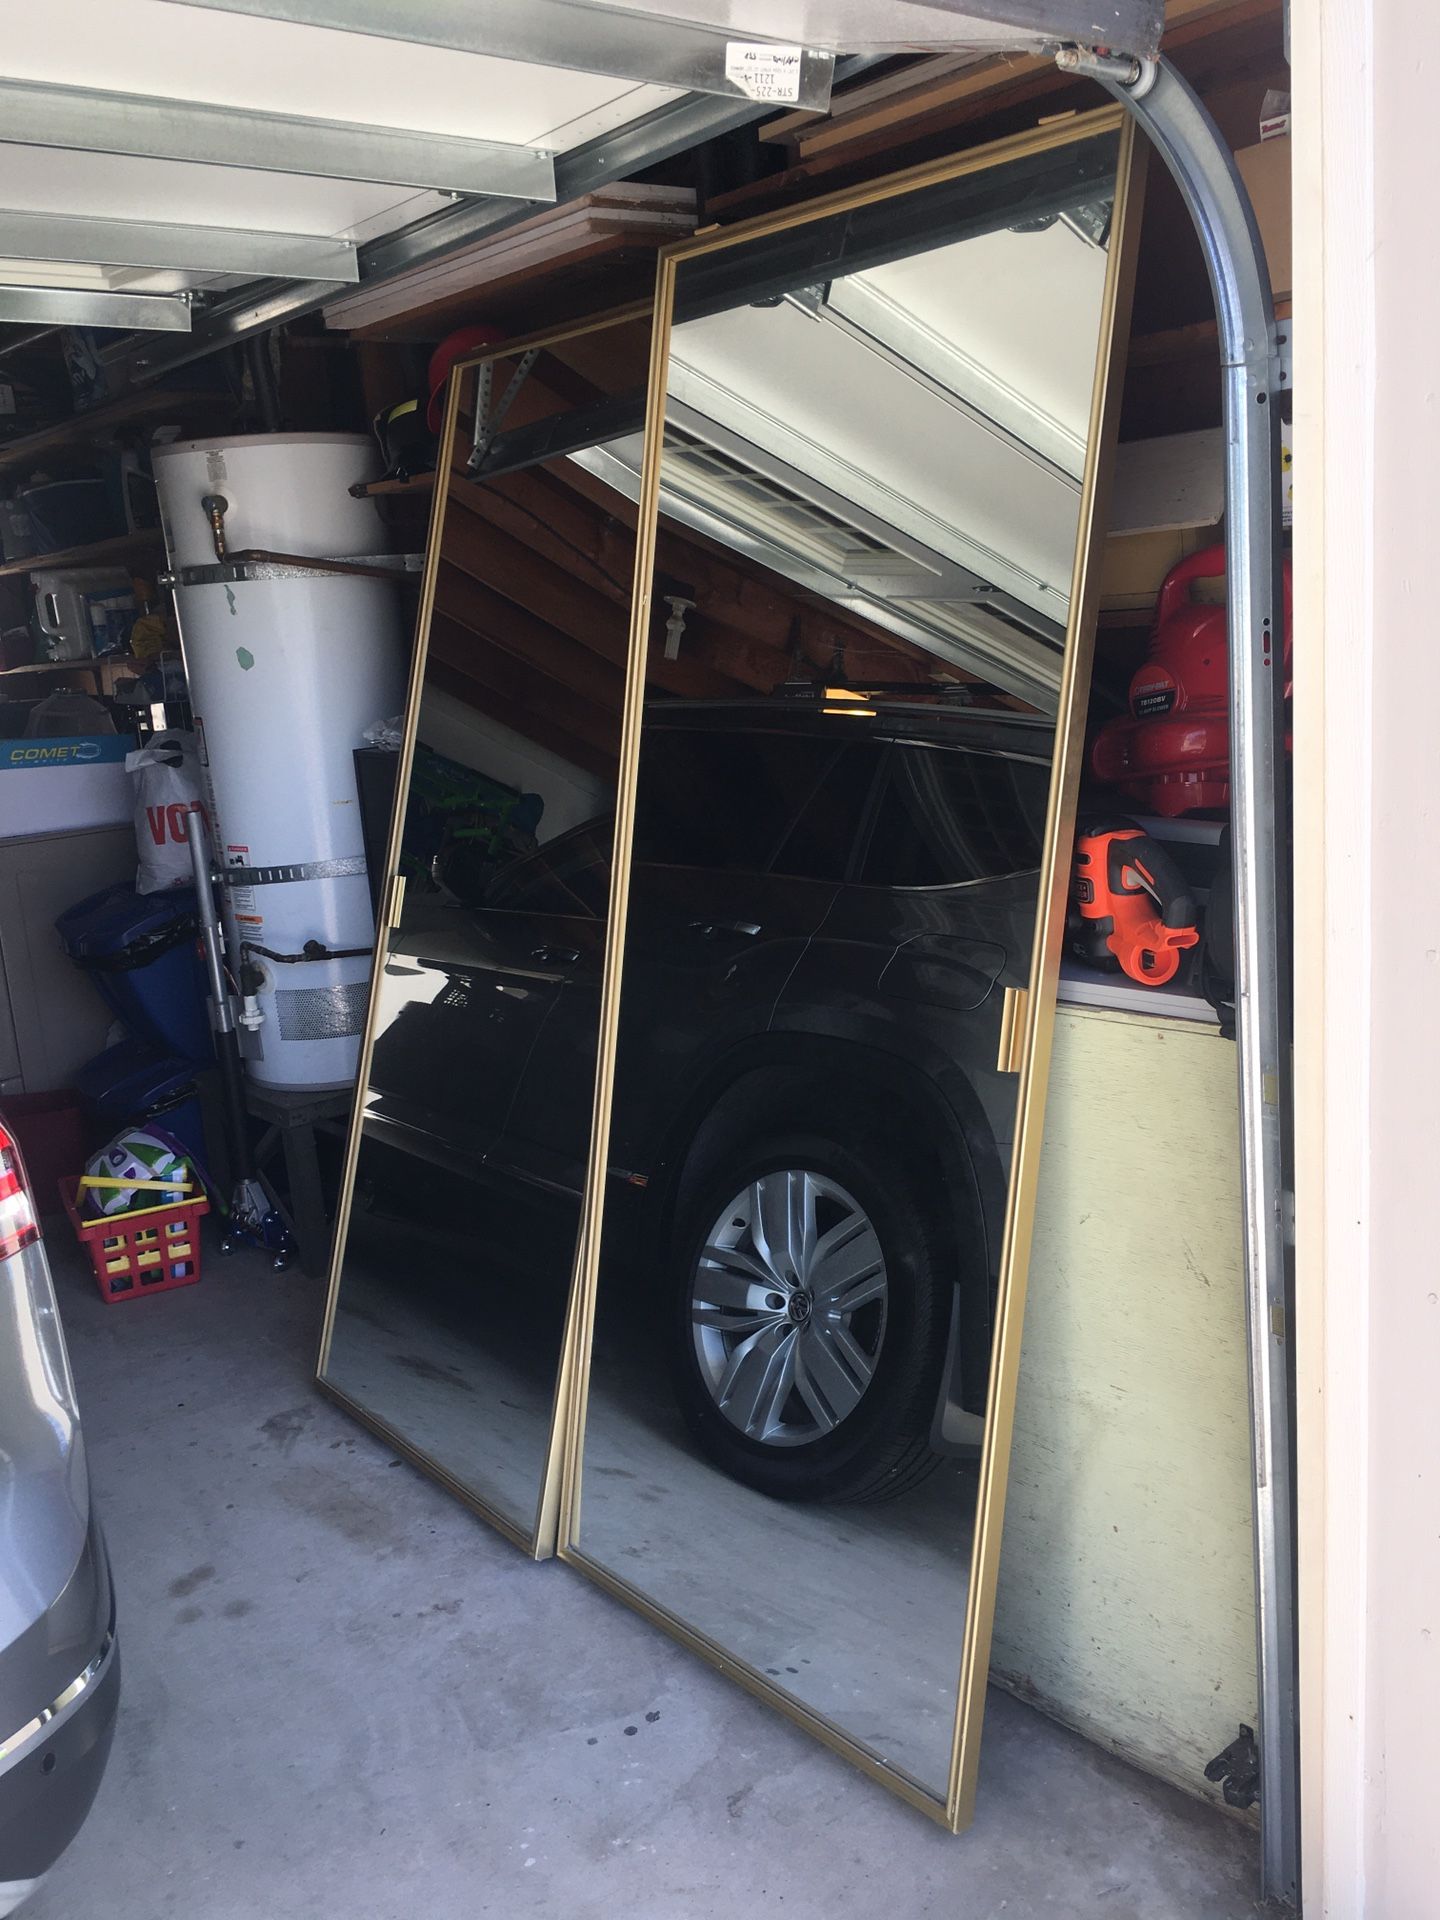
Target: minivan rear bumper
x,y
50,1771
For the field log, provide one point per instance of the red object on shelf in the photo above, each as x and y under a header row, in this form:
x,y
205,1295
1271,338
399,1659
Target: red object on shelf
x,y
1171,751
455,346
148,1250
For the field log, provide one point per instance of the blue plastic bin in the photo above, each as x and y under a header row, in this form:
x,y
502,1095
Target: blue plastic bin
x,y
131,1085
139,950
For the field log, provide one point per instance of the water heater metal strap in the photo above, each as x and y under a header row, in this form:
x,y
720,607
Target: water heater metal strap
x,y
304,870
258,563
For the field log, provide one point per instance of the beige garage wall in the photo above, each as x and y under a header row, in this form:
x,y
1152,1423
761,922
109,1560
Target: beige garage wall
x,y
1126,1602
1367,1028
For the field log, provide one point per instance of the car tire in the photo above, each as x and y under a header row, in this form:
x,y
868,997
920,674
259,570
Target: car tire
x,y
876,1445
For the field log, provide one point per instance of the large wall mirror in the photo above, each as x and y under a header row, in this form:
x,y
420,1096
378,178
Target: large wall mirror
x,y
876,441
471,1134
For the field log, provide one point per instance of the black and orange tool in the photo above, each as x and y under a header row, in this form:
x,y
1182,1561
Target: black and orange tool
x,y
1135,907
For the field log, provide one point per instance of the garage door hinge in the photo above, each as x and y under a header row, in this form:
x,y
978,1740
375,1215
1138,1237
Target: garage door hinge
x,y
1237,1769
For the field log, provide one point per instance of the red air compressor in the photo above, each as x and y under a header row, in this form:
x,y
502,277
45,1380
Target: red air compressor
x,y
1171,751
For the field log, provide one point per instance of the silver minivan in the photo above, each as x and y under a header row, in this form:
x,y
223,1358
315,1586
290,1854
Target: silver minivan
x,y
59,1662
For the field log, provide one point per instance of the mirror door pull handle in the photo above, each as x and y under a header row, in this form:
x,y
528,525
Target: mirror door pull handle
x,y
1013,1014
555,956
711,927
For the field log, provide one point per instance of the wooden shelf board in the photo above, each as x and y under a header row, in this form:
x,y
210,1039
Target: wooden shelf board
x,y
99,553
93,665
417,483
129,410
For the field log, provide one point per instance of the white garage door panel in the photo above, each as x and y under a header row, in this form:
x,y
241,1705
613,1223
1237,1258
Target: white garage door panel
x,y
963,490
151,48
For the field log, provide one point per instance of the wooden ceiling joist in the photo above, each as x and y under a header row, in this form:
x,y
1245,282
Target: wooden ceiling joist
x,y
479,609
536,706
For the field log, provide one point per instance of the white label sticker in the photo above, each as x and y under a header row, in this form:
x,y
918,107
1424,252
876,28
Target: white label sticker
x,y
762,71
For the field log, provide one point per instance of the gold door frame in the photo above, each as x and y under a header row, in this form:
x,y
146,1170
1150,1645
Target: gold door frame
x,y
539,1542
956,1809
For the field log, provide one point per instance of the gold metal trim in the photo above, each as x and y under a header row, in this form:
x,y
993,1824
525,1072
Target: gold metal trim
x,y
1039,1012
580,1320
1010,1054
1034,1023
540,1539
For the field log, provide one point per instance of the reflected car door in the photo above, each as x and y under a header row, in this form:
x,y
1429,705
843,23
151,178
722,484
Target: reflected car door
x,y
936,918
712,936
547,917
741,844
473,988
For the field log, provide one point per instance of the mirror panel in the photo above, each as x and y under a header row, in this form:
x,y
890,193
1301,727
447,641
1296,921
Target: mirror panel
x,y
454,1265
877,471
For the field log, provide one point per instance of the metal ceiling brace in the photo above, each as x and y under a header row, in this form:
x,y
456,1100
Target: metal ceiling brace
x,y
95,120
96,240
1254,358
79,307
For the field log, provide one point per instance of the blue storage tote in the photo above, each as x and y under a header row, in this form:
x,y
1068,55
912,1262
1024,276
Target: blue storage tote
x,y
132,1085
140,951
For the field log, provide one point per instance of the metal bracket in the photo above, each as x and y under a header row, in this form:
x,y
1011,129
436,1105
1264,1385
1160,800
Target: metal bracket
x,y
1284,355
486,429
1236,1770
260,564
1255,371
282,876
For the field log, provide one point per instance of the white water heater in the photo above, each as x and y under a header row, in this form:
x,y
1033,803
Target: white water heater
x,y
287,668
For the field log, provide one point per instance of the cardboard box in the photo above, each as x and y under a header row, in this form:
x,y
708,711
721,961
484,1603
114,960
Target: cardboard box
x,y
47,786
1135,565
1265,169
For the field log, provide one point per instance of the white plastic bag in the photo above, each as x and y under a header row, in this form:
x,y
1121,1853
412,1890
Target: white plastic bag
x,y
167,782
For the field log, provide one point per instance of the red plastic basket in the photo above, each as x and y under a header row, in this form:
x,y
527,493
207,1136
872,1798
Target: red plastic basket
x,y
148,1250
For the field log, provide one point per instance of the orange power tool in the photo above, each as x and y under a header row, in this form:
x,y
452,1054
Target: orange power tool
x,y
1135,907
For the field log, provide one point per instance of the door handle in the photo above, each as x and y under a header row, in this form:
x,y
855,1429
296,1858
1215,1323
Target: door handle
x,y
709,928
1013,1013
555,956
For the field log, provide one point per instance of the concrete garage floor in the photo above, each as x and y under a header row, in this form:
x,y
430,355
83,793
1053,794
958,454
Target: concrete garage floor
x,y
344,1695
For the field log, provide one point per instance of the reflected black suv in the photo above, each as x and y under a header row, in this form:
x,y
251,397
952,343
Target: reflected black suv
x,y
811,1133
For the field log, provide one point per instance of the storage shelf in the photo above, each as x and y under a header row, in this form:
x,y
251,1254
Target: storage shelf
x,y
417,483
93,665
132,409
99,553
